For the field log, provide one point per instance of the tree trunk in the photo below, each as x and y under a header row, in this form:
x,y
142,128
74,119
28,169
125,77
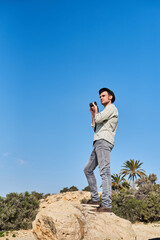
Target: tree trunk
x,y
133,182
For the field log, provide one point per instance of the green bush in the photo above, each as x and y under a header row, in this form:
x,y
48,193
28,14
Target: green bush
x,y
151,208
1,234
71,189
17,211
86,189
40,195
126,205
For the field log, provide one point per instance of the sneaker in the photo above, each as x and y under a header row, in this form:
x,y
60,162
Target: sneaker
x,y
102,208
91,202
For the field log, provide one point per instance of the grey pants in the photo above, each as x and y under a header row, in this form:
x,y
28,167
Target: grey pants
x,y
100,156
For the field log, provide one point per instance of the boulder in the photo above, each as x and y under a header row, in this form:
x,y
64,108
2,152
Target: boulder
x,y
62,216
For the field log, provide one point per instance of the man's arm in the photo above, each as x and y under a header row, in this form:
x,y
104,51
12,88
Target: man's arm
x,y
93,124
93,120
94,111
104,115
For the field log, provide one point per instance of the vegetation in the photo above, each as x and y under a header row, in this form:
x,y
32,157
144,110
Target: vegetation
x,y
119,182
6,234
71,189
136,204
132,168
17,211
152,178
87,189
142,204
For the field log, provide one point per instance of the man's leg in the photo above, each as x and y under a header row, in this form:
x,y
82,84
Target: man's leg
x,y
103,149
88,170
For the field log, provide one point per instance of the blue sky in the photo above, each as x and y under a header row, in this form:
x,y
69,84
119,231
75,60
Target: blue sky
x,y
54,57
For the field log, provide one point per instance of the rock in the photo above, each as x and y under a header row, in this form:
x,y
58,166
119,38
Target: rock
x,y
75,197
62,216
147,231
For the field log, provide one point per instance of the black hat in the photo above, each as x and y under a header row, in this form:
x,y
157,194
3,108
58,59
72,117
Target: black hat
x,y
109,91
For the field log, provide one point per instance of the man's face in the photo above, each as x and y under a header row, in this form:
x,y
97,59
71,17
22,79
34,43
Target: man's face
x,y
105,98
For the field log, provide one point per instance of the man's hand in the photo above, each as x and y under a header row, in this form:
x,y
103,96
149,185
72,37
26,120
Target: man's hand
x,y
94,110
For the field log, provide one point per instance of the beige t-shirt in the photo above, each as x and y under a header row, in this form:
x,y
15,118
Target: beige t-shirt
x,y
106,124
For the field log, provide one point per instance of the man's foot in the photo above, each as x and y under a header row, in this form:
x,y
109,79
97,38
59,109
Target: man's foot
x,y
102,208
91,202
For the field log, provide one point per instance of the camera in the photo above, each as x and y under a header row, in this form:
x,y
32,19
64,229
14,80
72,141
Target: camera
x,y
91,104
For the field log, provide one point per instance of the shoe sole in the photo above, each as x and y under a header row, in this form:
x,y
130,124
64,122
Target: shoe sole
x,y
92,210
88,204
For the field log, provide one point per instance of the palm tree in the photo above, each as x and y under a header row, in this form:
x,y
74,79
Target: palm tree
x,y
152,178
117,182
126,184
132,168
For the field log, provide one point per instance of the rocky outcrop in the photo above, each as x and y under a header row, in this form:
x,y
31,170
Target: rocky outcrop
x,y
150,231
62,216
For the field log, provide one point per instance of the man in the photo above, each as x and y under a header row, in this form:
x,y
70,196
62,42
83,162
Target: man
x,y
104,125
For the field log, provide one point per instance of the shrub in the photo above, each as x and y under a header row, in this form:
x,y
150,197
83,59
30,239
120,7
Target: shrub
x,y
1,234
126,205
71,189
151,208
86,189
84,201
17,211
40,195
